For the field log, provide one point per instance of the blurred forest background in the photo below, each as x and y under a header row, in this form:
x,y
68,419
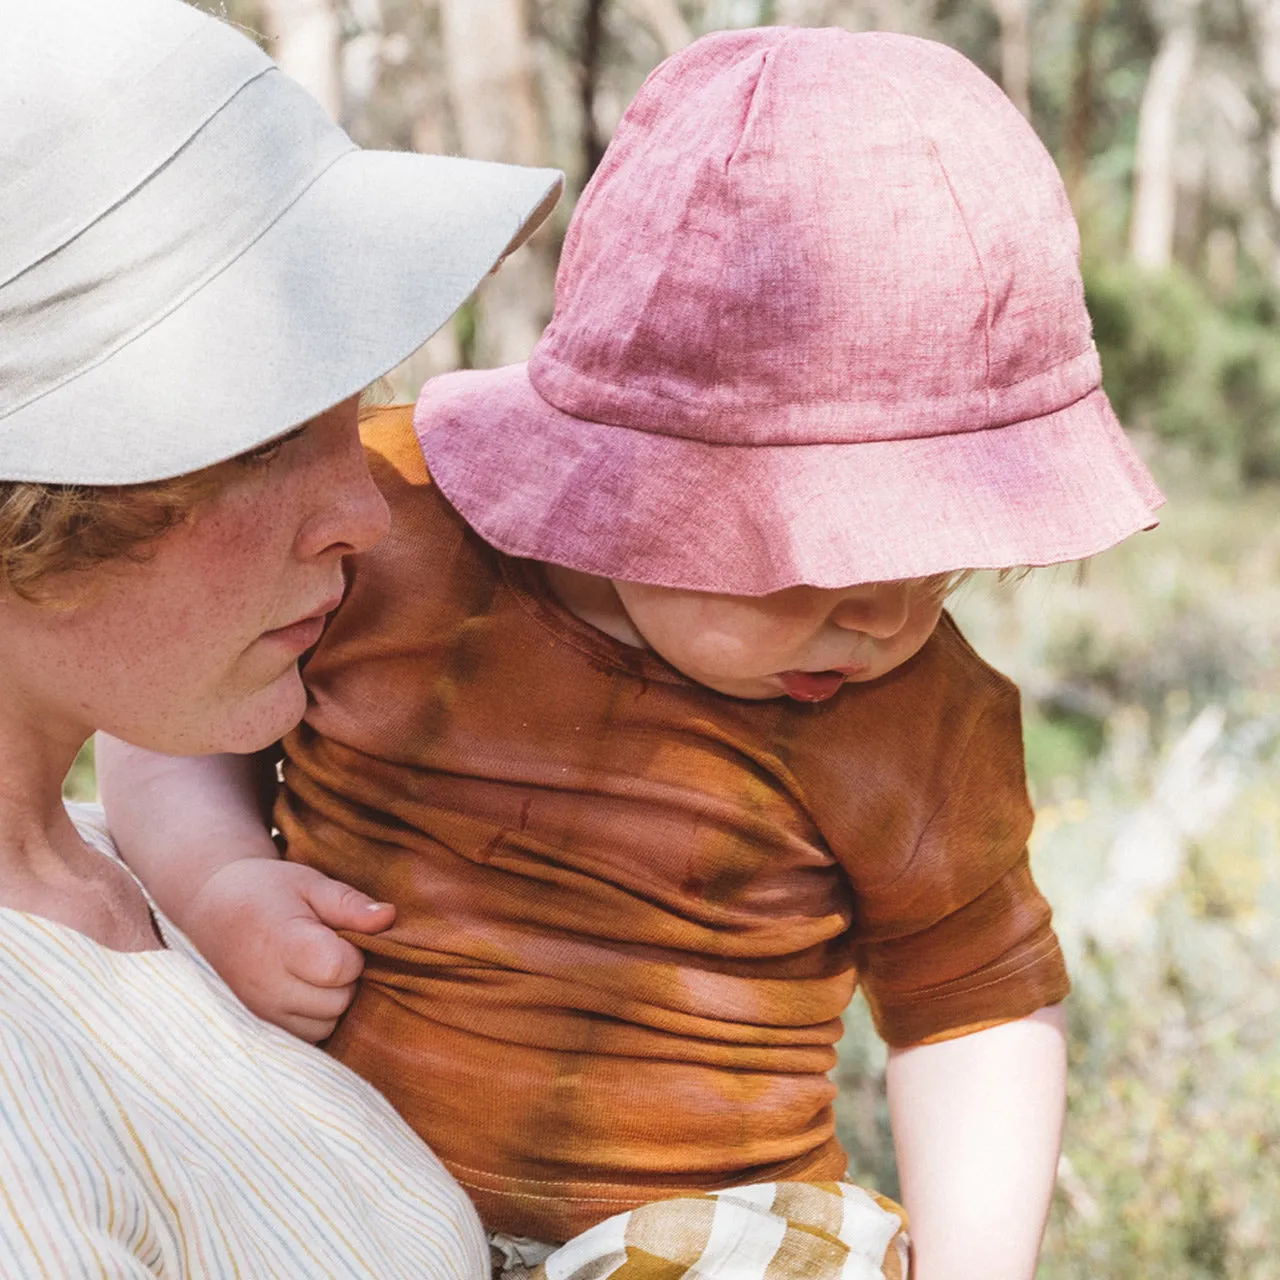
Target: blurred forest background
x,y
1151,679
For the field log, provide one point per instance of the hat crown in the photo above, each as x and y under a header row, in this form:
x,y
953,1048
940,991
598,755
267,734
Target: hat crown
x,y
140,157
94,98
61,59
816,236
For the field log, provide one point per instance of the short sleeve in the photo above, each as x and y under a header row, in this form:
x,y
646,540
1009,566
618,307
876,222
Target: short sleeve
x,y
962,936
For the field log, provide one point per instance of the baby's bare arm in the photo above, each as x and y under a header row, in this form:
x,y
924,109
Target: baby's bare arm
x,y
194,829
179,819
977,1124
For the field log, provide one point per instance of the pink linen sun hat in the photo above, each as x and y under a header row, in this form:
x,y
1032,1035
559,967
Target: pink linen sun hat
x,y
819,319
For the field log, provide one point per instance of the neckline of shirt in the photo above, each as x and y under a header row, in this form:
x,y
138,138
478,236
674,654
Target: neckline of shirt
x,y
528,583
92,829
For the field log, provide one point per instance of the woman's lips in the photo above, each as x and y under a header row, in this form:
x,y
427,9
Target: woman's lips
x,y
298,635
811,686
304,633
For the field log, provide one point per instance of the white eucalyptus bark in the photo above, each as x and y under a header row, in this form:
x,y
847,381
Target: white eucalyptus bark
x,y
305,40
1264,21
490,76
1015,51
492,92
1155,192
664,20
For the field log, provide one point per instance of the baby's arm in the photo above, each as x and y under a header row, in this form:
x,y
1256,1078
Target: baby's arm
x,y
194,829
977,1124
965,978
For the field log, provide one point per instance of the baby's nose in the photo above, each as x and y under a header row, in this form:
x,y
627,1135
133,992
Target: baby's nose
x,y
880,612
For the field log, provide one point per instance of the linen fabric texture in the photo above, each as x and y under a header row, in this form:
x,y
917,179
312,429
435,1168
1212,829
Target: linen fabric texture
x,y
631,911
819,319
769,1231
195,258
152,1128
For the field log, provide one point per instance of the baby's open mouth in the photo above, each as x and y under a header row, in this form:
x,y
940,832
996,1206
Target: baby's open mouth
x,y
811,686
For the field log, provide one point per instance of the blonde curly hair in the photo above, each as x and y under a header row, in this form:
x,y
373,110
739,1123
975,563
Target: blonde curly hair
x,y
48,531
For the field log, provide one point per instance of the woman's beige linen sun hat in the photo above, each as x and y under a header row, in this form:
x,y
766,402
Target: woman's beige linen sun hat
x,y
193,258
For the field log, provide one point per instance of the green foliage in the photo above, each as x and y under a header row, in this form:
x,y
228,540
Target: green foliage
x,y
80,783
1175,1061
1194,371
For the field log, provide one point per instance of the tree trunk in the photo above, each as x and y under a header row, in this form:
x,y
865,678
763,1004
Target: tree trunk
x,y
1155,191
305,40
1080,117
589,49
664,19
1264,16
489,75
360,62
1015,52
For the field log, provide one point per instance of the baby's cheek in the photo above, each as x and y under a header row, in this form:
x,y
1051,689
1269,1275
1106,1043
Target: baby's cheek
x,y
915,636
727,655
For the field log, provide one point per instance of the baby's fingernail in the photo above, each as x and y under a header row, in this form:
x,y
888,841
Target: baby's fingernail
x,y
376,906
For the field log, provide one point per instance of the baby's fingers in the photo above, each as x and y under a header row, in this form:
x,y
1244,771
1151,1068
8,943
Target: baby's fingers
x,y
317,956
342,907
310,1029
316,1011
322,1004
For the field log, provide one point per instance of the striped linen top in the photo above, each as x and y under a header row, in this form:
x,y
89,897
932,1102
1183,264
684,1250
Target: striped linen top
x,y
150,1125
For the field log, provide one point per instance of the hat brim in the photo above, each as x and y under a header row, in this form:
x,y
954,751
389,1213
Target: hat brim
x,y
641,507
353,277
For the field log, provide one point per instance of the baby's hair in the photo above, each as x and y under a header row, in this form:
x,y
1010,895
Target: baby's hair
x,y
950,582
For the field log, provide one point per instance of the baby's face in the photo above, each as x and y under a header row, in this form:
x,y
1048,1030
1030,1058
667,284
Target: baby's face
x,y
802,643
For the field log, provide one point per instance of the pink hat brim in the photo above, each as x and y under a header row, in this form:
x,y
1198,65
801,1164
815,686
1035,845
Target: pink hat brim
x,y
748,520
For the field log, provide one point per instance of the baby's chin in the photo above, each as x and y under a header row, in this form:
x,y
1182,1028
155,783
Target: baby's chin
x,y
797,686
768,688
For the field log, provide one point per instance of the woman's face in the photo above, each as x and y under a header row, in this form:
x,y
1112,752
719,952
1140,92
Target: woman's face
x,y
195,649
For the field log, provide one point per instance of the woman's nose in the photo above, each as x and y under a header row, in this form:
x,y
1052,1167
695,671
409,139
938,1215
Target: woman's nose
x,y
880,612
350,513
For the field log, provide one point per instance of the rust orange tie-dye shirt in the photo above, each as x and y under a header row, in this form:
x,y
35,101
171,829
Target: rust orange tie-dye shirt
x,y
631,910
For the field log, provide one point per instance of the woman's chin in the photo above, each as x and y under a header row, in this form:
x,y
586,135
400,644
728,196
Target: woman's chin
x,y
261,719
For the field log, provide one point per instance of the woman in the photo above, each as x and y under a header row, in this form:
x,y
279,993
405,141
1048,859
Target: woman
x,y
193,262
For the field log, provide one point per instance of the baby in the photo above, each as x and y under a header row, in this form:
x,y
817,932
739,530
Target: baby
x,y
647,717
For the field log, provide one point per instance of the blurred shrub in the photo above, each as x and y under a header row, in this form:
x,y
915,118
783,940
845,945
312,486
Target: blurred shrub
x,y
1173,1126
81,783
1189,369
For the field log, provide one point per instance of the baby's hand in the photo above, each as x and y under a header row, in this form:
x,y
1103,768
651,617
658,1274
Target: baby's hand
x,y
267,927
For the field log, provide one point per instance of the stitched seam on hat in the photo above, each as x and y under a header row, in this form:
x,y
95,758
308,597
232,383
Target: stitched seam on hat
x,y
546,357
564,367
186,295
964,222
721,347
98,214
